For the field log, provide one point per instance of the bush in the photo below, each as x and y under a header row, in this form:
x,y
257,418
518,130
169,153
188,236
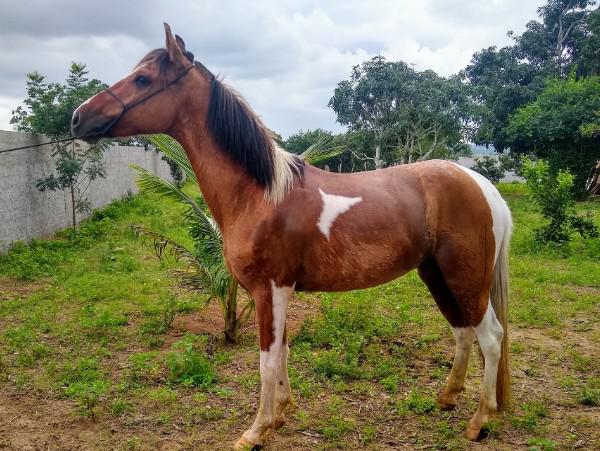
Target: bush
x,y
553,193
489,168
190,368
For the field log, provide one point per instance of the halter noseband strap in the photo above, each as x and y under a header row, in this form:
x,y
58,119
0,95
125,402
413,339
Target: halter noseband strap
x,y
126,108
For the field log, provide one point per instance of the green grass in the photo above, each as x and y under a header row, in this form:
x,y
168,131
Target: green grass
x,y
92,325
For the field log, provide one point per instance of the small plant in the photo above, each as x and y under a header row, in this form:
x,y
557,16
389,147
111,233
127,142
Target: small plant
x,y
417,402
488,167
553,194
189,367
590,394
533,411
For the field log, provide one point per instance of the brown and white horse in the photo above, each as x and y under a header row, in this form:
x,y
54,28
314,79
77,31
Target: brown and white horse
x,y
289,226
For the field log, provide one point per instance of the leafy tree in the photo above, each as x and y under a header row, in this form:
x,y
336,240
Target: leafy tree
x,y
302,140
503,80
489,168
552,192
559,126
48,109
405,115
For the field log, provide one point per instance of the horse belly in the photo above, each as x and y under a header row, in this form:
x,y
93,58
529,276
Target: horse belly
x,y
357,267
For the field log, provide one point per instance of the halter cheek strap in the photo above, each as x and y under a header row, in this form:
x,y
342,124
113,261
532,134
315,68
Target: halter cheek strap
x,y
126,108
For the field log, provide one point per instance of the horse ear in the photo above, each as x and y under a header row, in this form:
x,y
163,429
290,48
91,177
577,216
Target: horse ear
x,y
176,53
181,44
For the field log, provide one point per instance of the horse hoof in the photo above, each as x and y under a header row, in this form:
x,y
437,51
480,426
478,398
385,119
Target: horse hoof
x,y
446,402
473,433
279,422
244,445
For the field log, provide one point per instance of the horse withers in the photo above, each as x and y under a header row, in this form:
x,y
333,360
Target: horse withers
x,y
288,226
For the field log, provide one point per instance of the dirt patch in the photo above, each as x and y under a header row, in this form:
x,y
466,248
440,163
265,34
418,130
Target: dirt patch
x,y
12,288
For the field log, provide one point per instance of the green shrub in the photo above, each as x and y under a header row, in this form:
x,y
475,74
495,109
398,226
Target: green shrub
x,y
189,367
553,194
489,168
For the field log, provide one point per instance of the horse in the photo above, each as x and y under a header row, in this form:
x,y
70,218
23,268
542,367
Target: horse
x,y
288,226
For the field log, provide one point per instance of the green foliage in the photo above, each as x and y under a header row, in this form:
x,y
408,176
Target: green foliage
x,y
559,125
590,393
503,80
189,367
418,402
48,109
552,193
532,413
489,168
406,115
206,270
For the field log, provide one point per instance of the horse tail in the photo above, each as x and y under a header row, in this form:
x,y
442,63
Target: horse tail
x,y
499,300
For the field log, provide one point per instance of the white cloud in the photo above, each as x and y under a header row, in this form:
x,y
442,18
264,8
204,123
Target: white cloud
x,y
285,57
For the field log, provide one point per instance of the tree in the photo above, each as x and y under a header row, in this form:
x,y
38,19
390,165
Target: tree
x,y
48,109
559,126
406,115
489,168
503,80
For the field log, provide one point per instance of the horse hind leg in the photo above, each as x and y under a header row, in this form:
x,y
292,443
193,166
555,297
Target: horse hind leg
x,y
489,335
464,335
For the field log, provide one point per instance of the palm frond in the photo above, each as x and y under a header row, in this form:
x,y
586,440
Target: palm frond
x,y
172,149
324,149
149,182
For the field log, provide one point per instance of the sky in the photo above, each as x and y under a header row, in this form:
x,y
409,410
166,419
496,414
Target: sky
x,y
284,57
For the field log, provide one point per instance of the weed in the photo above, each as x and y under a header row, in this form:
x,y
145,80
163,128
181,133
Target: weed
x,y
541,444
119,408
533,411
590,394
190,368
418,402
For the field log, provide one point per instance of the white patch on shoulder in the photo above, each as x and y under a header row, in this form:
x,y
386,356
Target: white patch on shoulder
x,y
501,217
333,206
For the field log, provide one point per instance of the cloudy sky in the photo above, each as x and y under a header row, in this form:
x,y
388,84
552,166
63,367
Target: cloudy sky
x,y
285,57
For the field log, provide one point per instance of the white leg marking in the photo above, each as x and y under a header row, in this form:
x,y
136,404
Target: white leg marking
x,y
490,333
464,337
270,365
333,206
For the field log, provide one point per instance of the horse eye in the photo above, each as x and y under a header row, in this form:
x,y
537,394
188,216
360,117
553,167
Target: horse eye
x,y
142,81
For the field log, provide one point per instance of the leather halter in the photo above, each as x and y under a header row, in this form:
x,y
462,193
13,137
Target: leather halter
x,y
126,108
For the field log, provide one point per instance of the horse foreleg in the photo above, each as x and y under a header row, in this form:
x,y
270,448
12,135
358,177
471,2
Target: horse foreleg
x,y
489,334
271,310
283,396
464,337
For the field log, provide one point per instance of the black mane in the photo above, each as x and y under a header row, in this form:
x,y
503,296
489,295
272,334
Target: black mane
x,y
235,128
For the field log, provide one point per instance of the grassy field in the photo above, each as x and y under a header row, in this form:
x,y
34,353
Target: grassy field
x,y
99,350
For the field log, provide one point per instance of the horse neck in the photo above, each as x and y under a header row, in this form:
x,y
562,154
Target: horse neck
x,y
227,189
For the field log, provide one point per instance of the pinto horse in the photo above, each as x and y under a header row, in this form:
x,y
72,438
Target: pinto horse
x,y
289,226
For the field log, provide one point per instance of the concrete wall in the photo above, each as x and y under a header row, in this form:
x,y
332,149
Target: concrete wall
x,y
27,213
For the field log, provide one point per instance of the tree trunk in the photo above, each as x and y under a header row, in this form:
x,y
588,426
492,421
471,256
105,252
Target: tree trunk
x,y
74,217
230,314
378,160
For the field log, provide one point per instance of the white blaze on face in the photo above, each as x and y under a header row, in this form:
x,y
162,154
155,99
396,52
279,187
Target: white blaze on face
x,y
333,206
